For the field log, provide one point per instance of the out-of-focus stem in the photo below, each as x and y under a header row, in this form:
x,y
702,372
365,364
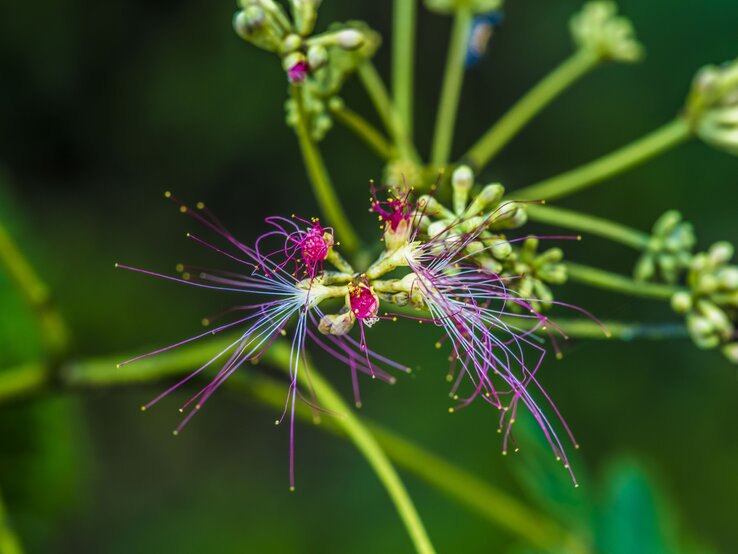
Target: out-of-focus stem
x,y
279,354
379,96
619,330
618,283
451,89
645,148
494,505
500,134
54,332
403,53
9,543
323,189
586,223
364,130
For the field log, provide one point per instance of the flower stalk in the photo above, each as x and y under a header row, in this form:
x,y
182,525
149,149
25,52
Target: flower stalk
x,y
586,223
541,95
403,54
364,130
9,543
657,142
618,283
322,185
451,89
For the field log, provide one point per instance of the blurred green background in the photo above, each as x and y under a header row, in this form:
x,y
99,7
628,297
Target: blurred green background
x,y
104,105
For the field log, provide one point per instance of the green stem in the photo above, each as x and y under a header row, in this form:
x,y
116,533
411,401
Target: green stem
x,y
451,89
365,131
619,283
500,134
323,189
624,331
279,354
53,330
379,96
9,543
569,219
403,54
656,142
494,505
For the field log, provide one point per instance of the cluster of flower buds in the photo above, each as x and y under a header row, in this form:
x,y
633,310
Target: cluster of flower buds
x,y
712,106
669,251
531,272
599,29
450,6
710,305
320,63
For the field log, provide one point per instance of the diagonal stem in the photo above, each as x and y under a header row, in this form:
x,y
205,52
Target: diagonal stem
x,y
9,543
53,329
403,54
323,189
586,223
364,441
364,130
635,153
451,89
380,98
525,109
619,283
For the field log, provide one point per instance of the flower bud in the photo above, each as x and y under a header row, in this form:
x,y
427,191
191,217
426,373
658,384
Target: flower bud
x,y
728,278
462,181
721,253
317,57
349,39
681,302
730,351
598,28
489,196
305,12
712,106
702,331
335,324
717,317
297,68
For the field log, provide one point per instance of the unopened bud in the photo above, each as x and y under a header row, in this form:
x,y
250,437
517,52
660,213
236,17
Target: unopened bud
x,y
681,302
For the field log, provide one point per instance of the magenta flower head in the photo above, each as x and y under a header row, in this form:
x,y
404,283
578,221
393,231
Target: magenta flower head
x,y
396,213
298,72
286,287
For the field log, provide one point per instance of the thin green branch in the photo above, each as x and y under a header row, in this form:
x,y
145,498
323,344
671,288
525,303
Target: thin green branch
x,y
635,153
365,131
323,189
500,134
494,505
586,223
403,54
591,330
9,543
618,283
379,96
54,332
279,354
451,89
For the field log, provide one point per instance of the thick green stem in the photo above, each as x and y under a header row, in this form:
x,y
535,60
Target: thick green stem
x,y
279,354
379,96
500,134
323,189
365,131
9,543
619,283
403,54
586,223
53,329
653,144
451,90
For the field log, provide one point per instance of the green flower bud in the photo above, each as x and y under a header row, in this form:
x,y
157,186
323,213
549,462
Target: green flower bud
x,y
720,253
730,351
598,28
681,302
489,196
317,57
462,181
501,249
702,331
712,106
304,12
728,278
291,43
645,268
717,317
337,324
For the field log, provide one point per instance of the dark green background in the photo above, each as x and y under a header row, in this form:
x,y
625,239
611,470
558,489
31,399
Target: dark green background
x,y
104,105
